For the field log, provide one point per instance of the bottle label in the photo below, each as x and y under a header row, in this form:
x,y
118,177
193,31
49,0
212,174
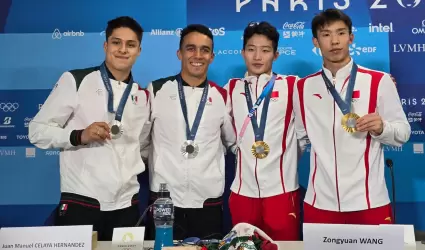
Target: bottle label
x,y
163,210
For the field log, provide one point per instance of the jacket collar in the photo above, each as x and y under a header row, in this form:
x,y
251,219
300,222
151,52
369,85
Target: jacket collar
x,y
127,80
342,73
202,85
262,79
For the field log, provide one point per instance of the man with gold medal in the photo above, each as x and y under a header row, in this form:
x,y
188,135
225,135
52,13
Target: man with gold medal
x,y
265,189
347,112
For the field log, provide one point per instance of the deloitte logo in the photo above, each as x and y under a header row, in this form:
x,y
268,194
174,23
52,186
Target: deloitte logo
x,y
58,35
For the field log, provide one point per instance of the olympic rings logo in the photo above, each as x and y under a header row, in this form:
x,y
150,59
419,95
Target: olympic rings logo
x,y
8,106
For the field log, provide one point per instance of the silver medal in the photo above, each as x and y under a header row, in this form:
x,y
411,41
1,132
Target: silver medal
x,y
189,149
116,129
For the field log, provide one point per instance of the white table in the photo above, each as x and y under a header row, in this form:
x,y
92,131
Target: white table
x,y
284,245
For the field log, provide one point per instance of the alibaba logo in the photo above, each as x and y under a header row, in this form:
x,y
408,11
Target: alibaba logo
x,y
388,219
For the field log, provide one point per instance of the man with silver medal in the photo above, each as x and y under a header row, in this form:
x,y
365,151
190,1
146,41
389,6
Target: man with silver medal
x,y
116,127
191,127
99,175
189,148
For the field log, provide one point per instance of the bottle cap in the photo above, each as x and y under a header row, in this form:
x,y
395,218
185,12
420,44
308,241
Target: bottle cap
x,y
162,187
164,194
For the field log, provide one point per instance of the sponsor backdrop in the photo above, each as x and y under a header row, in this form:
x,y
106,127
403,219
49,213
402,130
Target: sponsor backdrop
x,y
40,40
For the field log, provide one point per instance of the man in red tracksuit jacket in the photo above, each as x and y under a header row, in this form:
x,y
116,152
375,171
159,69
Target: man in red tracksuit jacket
x,y
348,112
265,189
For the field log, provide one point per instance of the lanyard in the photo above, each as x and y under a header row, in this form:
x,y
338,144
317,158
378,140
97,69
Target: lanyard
x,y
345,107
108,86
258,131
191,133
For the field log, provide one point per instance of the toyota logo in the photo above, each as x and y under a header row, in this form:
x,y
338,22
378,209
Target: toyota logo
x,y
8,106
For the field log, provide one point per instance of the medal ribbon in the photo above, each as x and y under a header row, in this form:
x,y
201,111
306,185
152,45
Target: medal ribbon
x,y
108,86
345,107
191,133
258,131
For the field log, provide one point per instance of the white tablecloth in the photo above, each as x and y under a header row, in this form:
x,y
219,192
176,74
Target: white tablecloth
x,y
284,245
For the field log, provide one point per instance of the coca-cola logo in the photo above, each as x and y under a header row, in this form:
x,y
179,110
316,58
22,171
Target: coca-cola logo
x,y
294,26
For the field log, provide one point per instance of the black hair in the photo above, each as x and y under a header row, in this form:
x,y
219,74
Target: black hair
x,y
329,16
196,28
261,28
124,22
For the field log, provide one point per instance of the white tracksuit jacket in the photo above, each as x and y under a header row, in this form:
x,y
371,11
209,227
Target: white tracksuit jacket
x,y
105,171
190,181
277,173
347,170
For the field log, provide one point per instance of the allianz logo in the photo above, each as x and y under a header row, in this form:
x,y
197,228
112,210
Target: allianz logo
x,y
177,32
57,34
161,32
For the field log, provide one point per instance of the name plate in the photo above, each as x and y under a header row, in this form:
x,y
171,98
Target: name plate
x,y
66,237
352,237
128,238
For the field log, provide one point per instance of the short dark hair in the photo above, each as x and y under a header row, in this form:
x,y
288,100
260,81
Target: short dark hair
x,y
261,28
196,28
124,22
329,16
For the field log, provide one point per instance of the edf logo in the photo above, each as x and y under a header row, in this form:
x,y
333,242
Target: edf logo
x,y
356,50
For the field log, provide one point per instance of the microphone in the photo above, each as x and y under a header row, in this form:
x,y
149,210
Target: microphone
x,y
143,215
389,164
161,194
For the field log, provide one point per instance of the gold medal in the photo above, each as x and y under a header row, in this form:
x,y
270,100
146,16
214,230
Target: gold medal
x,y
349,121
260,149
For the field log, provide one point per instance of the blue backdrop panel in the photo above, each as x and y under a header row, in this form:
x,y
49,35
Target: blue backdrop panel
x,y
39,40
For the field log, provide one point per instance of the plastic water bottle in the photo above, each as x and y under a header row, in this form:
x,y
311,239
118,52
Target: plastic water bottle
x,y
163,215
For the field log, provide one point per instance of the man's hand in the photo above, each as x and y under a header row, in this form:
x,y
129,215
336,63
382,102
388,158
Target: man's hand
x,y
371,123
97,131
